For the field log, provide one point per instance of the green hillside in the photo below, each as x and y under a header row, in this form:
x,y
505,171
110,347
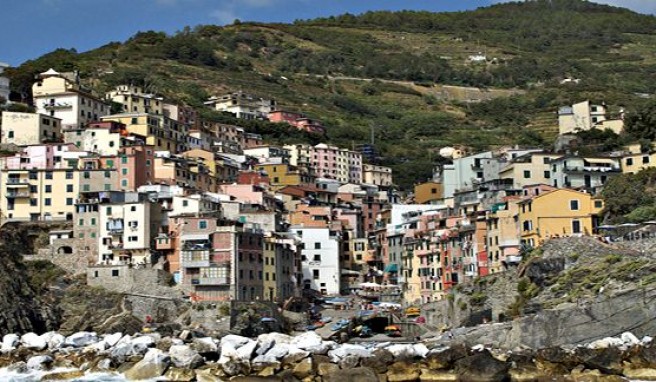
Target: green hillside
x,y
395,71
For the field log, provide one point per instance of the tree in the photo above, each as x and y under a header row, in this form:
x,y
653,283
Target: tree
x,y
642,124
625,193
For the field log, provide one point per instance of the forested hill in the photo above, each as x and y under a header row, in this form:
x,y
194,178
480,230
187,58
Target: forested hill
x,y
314,66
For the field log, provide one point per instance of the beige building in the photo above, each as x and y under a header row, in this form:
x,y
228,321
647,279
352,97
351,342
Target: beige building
x,y
29,128
135,100
584,116
102,138
377,175
60,95
164,133
242,105
532,168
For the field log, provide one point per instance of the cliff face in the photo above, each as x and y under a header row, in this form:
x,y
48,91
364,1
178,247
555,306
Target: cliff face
x,y
22,309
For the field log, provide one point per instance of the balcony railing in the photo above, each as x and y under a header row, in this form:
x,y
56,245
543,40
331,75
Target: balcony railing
x,y
17,194
195,259
17,182
115,231
514,259
224,280
57,105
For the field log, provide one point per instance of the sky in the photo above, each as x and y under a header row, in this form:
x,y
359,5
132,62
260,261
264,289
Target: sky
x,y
31,28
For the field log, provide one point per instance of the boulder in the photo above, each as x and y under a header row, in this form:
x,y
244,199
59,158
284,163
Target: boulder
x,y
204,345
445,358
606,343
9,342
112,339
33,341
234,340
428,375
349,362
126,349
349,349
264,360
326,368
481,367
39,362
403,372
146,341
359,374
307,340
183,356
175,374
408,351
629,339
153,365
264,346
277,338
294,355
245,352
81,339
379,360
54,340
279,350
607,360
641,374
323,348
303,369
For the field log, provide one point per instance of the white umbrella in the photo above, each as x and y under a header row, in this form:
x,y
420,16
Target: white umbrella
x,y
369,285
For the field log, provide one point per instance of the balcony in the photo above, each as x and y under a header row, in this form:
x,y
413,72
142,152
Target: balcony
x,y
17,194
115,231
57,105
514,259
115,246
163,243
195,259
509,243
211,281
19,182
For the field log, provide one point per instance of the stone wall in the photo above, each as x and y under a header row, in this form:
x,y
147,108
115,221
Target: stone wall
x,y
633,311
74,263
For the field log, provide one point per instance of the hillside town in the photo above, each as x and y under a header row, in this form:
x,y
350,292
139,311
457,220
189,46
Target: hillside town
x,y
151,184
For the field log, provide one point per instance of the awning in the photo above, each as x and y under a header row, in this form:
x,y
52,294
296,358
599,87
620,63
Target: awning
x,y
391,268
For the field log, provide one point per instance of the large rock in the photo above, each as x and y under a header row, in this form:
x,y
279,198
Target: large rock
x,y
303,369
607,360
359,374
54,340
182,356
379,360
445,358
245,352
428,375
33,341
482,367
294,354
112,339
81,339
403,372
277,338
641,374
349,349
39,362
234,340
408,351
9,342
307,340
175,374
204,345
153,365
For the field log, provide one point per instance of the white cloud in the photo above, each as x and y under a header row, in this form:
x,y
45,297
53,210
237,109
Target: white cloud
x,y
642,6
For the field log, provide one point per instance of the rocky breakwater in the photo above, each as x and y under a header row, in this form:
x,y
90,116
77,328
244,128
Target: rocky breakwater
x,y
277,357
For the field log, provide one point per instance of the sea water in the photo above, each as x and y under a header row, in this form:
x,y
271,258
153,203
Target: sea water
x,y
36,375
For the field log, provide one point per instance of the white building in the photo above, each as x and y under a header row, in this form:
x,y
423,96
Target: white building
x,y
60,95
4,82
584,116
29,128
242,105
320,259
127,230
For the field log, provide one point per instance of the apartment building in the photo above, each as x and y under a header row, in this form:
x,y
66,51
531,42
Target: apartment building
x,y
589,173
342,165
377,175
135,100
528,169
60,95
165,133
320,259
242,105
29,129
584,116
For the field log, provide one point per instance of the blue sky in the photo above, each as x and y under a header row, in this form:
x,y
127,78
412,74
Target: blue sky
x,y
30,28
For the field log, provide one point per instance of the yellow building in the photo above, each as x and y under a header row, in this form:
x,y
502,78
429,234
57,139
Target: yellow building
x,y
29,128
503,236
429,192
281,175
135,100
533,168
637,160
38,194
164,133
557,213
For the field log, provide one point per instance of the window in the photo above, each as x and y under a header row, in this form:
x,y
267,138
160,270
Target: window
x,y
433,190
48,174
576,226
114,272
317,245
80,222
47,201
33,202
48,189
574,205
69,201
69,174
645,159
108,187
598,204
547,174
109,210
315,274
32,175
629,161
93,221
86,187
133,238
33,189
202,224
10,134
124,171
69,188
124,183
185,203
527,174
108,174
317,257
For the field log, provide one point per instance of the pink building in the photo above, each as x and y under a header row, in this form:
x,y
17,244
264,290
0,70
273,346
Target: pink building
x,y
297,120
39,157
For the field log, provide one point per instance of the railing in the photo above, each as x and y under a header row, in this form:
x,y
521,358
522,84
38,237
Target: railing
x,y
514,259
115,231
57,105
18,195
225,280
195,259
18,181
116,246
